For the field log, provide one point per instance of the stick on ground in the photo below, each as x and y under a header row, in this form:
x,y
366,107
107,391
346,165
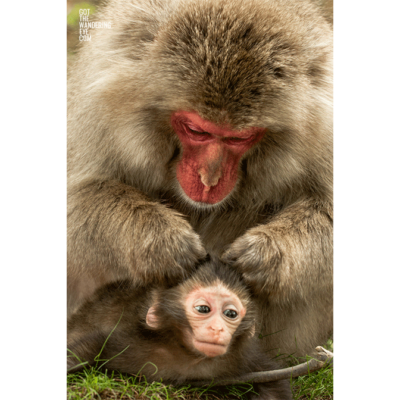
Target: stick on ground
x,y
323,358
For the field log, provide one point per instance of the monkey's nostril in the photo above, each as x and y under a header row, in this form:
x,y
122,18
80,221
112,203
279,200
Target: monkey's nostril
x,y
217,329
209,179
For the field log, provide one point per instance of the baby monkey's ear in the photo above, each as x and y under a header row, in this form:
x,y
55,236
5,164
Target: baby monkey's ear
x,y
151,318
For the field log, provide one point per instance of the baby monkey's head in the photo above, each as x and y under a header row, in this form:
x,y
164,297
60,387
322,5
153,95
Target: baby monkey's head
x,y
212,311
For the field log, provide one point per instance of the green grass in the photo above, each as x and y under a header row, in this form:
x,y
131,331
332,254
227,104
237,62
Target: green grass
x,y
317,385
92,384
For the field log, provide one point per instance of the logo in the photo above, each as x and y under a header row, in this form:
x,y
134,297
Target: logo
x,y
85,25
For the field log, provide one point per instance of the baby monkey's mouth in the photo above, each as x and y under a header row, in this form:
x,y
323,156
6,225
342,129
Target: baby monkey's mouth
x,y
210,349
210,343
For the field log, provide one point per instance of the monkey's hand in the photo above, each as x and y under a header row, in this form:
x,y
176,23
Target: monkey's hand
x,y
116,230
282,259
257,255
166,248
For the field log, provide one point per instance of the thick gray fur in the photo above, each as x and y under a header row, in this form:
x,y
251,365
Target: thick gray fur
x,y
265,63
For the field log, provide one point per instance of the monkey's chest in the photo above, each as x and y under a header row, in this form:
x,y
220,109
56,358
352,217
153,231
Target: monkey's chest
x,y
217,232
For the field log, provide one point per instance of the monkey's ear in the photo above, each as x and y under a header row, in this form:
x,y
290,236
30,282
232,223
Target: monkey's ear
x,y
151,318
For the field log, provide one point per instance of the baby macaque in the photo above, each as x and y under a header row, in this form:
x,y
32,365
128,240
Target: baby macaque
x,y
201,329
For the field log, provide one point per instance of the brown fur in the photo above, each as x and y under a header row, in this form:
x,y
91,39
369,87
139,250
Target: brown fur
x,y
264,63
124,305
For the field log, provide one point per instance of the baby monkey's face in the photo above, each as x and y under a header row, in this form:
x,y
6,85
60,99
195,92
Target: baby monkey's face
x,y
214,314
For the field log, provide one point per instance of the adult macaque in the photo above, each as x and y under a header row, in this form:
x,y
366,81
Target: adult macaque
x,y
200,329
205,126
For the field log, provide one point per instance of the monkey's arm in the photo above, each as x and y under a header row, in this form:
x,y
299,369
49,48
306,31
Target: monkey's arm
x,y
115,229
291,255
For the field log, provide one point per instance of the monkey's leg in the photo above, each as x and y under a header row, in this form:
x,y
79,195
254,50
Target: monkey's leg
x,y
116,231
83,351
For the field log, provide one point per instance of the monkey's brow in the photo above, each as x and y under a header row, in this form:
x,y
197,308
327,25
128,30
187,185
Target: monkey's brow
x,y
201,299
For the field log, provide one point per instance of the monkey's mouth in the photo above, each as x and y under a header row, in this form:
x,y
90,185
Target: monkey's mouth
x,y
210,349
194,187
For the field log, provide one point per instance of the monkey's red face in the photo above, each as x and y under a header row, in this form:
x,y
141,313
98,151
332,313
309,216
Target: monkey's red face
x,y
214,313
208,170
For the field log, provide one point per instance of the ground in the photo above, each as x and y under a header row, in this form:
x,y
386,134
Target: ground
x,y
91,384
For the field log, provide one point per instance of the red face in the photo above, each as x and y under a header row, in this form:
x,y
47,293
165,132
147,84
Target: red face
x,y
208,170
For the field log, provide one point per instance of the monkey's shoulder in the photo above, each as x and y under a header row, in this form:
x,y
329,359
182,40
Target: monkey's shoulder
x,y
110,306
120,291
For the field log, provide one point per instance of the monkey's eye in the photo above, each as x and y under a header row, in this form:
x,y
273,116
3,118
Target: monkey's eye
x,y
237,140
201,133
203,309
197,135
230,313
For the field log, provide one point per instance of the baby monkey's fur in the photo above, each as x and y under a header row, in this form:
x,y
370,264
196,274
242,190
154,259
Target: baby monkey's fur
x,y
163,353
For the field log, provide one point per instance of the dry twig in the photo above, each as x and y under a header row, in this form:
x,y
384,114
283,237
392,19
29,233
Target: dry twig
x,y
323,358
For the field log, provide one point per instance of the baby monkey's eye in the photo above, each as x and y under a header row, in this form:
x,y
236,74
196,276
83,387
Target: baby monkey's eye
x,y
203,309
230,313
